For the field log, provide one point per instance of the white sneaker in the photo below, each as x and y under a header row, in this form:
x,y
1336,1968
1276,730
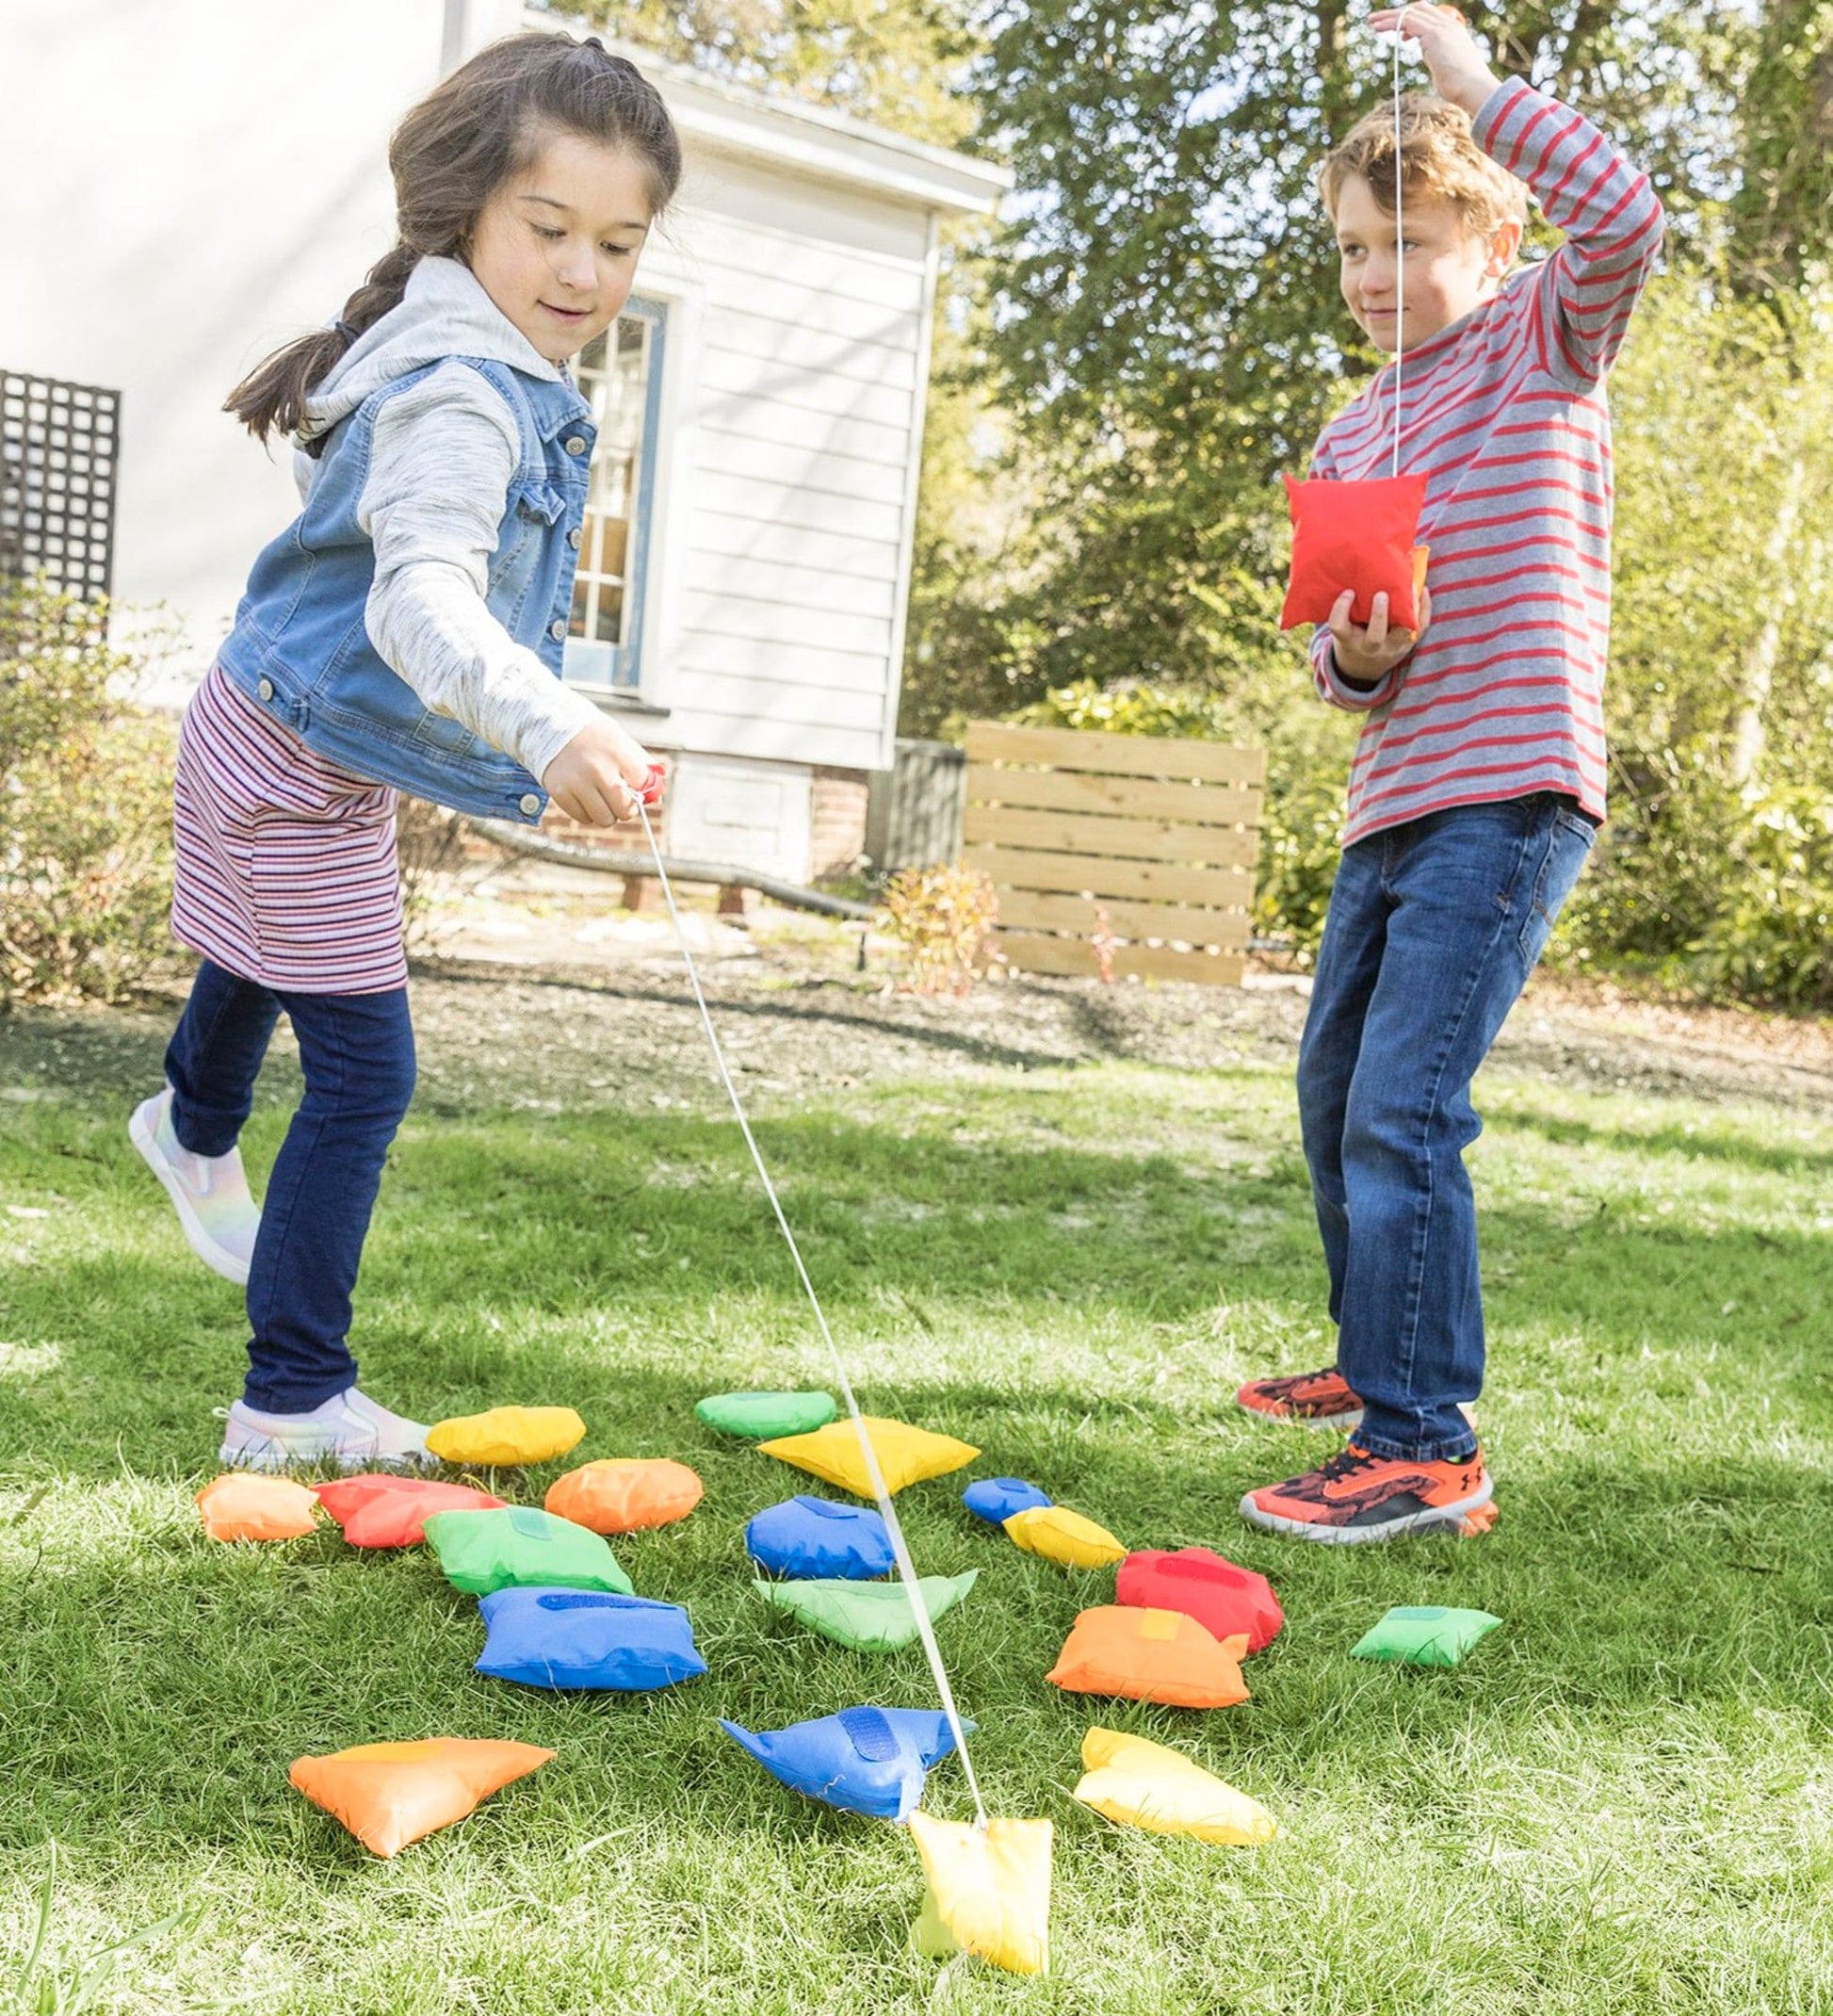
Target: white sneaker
x,y
349,1430
210,1191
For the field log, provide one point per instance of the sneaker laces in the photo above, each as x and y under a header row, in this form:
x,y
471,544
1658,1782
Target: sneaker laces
x,y
1344,1463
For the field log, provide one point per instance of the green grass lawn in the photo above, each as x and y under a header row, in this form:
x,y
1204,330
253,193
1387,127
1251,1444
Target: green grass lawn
x,y
1622,1803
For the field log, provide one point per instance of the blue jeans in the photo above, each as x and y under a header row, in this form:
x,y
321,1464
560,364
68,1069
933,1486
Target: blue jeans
x,y
1433,929
357,1052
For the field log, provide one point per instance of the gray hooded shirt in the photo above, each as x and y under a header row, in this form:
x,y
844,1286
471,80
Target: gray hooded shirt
x,y
439,476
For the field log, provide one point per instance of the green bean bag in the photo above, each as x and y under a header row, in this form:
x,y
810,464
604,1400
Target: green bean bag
x,y
521,1547
870,1616
1426,1636
756,1416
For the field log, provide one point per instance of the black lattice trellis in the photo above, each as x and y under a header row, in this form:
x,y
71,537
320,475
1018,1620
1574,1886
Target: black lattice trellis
x,y
58,446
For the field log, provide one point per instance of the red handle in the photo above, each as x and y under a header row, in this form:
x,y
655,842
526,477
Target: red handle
x,y
651,793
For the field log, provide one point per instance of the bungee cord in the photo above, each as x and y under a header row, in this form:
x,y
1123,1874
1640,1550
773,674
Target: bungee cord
x,y
906,1568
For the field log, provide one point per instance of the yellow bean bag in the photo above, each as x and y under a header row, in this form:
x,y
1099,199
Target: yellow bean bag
x,y
238,1506
389,1793
905,1455
625,1494
1139,1783
989,1890
508,1435
1065,1537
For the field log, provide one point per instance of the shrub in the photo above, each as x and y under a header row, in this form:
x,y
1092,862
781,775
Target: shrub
x,y
942,916
85,807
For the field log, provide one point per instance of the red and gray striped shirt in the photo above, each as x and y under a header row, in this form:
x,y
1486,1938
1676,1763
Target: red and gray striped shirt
x,y
1504,413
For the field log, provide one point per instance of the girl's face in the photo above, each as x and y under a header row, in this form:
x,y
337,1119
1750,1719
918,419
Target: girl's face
x,y
1449,268
556,245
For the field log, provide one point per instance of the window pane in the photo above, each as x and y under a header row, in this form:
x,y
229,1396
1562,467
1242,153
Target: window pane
x,y
613,377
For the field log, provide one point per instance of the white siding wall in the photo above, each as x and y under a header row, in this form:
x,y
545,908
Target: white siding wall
x,y
783,564
187,185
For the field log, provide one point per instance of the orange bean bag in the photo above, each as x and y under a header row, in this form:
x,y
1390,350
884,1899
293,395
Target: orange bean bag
x,y
241,1506
379,1510
389,1793
1150,1655
625,1494
1362,536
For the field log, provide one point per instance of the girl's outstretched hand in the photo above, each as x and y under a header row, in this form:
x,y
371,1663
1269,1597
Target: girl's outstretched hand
x,y
1460,72
597,777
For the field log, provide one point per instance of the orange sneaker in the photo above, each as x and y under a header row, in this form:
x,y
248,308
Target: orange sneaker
x,y
1320,1399
1356,1496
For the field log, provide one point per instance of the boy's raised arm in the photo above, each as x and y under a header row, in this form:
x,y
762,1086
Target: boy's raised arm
x,y
1607,209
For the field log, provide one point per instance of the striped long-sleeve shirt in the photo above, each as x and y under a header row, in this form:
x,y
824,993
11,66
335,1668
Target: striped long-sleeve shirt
x,y
1504,413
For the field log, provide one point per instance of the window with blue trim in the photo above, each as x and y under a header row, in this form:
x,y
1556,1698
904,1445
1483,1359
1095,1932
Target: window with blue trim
x,y
620,375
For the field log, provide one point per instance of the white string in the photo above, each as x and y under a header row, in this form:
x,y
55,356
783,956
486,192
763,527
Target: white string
x,y
1399,243
906,1568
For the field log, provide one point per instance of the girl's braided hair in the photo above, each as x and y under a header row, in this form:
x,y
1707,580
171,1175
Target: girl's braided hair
x,y
483,124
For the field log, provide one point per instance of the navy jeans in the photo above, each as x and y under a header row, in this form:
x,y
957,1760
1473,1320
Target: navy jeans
x,y
1433,929
357,1052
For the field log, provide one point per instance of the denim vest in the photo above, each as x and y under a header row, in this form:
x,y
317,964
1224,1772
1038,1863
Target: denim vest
x,y
300,649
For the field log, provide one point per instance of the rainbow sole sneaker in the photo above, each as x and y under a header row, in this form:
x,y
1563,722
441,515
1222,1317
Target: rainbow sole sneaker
x,y
1355,1496
1319,1399
348,1432
210,1192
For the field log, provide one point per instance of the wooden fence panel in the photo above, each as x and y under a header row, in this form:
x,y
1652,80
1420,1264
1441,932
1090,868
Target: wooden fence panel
x,y
1128,854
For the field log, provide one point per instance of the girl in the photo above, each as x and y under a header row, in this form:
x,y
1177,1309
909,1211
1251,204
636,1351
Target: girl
x,y
404,633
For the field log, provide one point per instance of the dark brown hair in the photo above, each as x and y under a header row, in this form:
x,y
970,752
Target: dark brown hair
x,y
1438,157
483,124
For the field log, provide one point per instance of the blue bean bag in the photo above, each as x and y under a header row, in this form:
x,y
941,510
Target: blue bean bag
x,y
863,1759
997,1499
813,1537
587,1638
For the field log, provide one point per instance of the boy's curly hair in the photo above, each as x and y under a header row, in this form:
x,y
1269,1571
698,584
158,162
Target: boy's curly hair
x,y
1439,157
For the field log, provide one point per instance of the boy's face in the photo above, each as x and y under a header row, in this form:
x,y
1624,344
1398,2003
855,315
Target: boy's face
x,y
1448,271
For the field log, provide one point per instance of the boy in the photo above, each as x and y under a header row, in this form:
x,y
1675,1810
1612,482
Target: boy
x,y
1478,779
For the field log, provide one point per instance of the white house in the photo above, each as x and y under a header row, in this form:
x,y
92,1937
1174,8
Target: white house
x,y
190,184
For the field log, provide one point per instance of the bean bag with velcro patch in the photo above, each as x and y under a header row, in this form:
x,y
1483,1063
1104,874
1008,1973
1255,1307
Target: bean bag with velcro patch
x,y
995,1498
870,1761
1150,1655
587,1638
813,1538
481,1552
1223,1599
380,1509
1425,1635
390,1794
625,1494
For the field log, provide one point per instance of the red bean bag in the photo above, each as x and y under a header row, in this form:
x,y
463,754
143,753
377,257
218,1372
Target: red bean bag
x,y
379,1510
1227,1601
1362,536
